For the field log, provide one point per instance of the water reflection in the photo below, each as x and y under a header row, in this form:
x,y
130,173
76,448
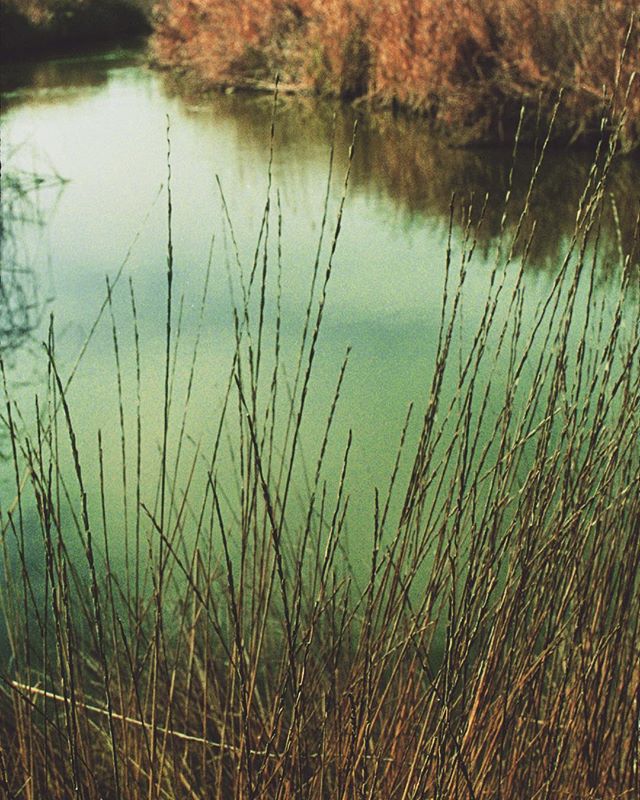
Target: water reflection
x,y
101,120
22,303
398,164
102,123
422,174
398,159
29,81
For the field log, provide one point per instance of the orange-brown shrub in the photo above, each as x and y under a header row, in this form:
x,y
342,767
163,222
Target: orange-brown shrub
x,y
469,64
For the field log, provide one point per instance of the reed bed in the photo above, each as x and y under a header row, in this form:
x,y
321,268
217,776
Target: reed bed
x,y
467,66
488,647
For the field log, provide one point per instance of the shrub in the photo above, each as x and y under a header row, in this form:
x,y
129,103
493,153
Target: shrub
x,y
470,66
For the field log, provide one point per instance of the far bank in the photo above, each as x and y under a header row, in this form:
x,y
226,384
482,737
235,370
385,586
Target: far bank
x,y
468,67
30,28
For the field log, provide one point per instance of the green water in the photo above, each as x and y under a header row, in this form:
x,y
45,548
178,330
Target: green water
x,y
100,123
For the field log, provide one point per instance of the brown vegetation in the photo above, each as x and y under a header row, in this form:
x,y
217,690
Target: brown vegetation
x,y
467,64
490,646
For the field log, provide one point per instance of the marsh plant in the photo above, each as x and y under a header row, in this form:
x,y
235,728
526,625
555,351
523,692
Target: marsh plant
x,y
485,644
468,66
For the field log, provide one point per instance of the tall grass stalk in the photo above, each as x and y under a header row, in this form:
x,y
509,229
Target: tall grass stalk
x,y
488,646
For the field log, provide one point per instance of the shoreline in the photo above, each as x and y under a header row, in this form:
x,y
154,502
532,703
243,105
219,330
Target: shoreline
x,y
468,69
188,80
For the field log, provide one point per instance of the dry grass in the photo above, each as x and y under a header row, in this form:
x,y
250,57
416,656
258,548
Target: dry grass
x,y
491,649
470,66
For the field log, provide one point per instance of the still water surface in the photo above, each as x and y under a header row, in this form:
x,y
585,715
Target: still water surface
x,y
96,128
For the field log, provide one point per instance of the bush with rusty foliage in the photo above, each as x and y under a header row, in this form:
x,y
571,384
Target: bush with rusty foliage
x,y
470,66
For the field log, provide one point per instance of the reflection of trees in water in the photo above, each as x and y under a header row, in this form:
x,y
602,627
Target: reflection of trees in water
x,y
22,209
398,157
422,174
21,305
46,80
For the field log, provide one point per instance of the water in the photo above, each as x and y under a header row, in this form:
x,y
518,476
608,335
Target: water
x,y
95,127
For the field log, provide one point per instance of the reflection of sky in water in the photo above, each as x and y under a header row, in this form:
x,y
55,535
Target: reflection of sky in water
x,y
102,126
